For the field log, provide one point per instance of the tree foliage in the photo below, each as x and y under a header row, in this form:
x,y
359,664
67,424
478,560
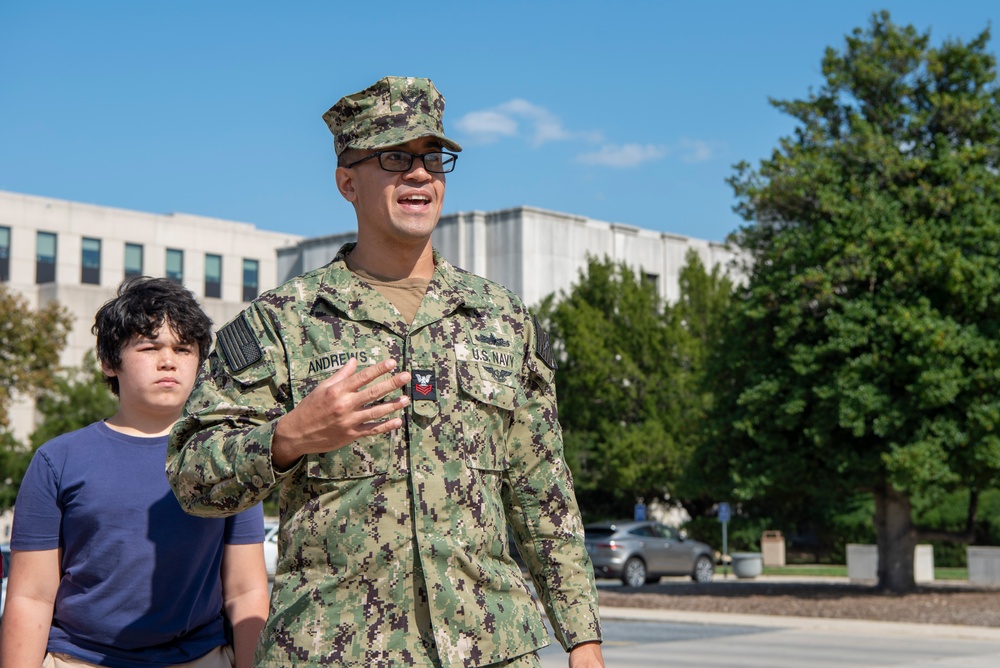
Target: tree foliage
x,y
80,397
863,354
14,459
30,344
628,399
77,397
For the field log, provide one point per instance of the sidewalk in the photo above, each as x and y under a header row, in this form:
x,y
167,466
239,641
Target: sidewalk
x,y
852,627
838,626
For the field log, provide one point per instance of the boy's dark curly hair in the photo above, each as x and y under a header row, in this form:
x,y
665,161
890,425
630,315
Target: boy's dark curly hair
x,y
140,308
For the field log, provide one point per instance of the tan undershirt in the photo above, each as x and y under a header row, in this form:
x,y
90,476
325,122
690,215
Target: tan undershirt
x,y
404,293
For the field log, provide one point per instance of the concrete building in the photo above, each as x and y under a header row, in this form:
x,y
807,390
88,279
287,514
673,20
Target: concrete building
x,y
535,252
77,254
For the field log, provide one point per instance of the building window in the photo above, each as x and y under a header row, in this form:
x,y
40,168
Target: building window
x,y
175,265
45,258
4,254
213,275
90,262
251,270
133,260
651,279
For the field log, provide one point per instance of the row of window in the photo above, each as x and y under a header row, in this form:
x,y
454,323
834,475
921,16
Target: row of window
x,y
90,264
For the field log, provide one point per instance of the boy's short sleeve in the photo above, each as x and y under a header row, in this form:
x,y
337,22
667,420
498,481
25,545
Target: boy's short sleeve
x,y
246,527
39,515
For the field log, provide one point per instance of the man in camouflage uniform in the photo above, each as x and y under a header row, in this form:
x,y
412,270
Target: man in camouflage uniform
x,y
406,410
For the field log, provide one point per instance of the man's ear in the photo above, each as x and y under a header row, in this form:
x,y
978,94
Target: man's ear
x,y
345,184
108,371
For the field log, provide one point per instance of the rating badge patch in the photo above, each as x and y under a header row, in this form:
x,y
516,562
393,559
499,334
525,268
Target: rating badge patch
x,y
424,385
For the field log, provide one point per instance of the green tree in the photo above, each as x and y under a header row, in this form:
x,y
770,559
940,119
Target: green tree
x,y
864,352
628,400
30,343
699,315
80,397
77,397
14,459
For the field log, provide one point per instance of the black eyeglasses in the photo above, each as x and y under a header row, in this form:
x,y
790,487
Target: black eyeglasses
x,y
439,162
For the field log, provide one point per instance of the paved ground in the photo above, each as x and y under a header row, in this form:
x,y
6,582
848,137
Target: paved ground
x,y
950,603
793,622
650,638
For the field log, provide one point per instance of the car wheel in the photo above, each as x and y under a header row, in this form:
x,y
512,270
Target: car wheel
x,y
634,573
704,569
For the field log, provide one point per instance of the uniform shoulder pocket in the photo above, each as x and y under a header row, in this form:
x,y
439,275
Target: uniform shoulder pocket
x,y
240,352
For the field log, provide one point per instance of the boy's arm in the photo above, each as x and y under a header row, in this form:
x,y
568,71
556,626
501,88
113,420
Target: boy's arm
x,y
31,595
245,597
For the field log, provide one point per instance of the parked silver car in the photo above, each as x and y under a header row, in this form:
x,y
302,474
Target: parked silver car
x,y
638,553
270,548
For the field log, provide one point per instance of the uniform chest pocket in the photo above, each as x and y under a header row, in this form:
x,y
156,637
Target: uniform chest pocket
x,y
363,458
368,456
487,410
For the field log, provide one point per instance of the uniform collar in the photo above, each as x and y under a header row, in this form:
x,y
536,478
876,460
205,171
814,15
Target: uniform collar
x,y
447,292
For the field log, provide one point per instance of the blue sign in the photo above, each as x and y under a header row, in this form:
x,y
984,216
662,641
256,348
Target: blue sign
x,y
724,512
640,512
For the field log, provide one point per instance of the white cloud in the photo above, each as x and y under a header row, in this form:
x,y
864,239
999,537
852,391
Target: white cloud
x,y
519,118
507,120
696,150
487,126
623,155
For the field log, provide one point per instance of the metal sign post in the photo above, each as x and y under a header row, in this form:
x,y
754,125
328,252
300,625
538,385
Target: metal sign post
x,y
639,511
724,513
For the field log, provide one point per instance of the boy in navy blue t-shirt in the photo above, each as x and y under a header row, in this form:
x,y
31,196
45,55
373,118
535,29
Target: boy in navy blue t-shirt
x,y
107,570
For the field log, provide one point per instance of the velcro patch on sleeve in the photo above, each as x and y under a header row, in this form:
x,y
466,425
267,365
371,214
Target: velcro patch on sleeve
x,y
543,346
238,345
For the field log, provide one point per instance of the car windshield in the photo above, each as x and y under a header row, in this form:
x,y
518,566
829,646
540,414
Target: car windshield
x,y
598,533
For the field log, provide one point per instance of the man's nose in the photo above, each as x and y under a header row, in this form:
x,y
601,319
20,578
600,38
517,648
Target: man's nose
x,y
417,170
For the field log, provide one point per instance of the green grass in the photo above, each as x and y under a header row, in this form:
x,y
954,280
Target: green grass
x,y
943,573
810,570
836,570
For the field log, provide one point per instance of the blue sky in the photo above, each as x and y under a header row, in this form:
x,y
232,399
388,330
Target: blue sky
x,y
630,112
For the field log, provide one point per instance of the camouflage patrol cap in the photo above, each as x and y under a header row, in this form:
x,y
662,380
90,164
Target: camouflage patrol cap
x,y
391,111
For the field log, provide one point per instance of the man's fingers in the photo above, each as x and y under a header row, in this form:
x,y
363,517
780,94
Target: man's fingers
x,y
377,391
376,412
376,428
343,373
368,374
351,381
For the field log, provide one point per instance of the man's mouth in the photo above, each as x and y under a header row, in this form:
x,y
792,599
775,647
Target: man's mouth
x,y
415,200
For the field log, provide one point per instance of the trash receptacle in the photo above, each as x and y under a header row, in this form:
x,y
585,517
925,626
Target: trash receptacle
x,y
772,546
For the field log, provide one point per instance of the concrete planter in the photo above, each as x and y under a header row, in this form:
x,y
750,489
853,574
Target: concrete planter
x,y
747,564
984,565
862,563
923,563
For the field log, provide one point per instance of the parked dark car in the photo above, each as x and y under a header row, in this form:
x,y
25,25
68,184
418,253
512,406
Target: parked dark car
x,y
638,553
4,570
